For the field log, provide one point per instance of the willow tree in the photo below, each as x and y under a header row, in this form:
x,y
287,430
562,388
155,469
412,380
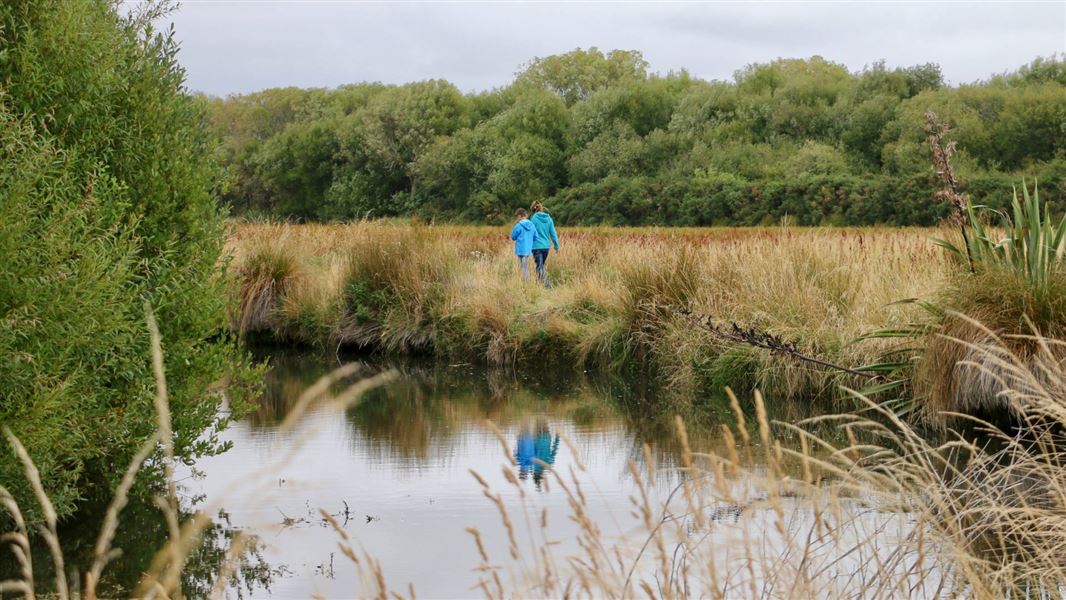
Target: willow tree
x,y
108,187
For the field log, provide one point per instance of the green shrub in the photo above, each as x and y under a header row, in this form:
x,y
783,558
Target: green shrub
x,y
108,188
1010,285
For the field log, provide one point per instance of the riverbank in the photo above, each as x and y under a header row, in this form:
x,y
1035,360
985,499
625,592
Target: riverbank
x,y
455,292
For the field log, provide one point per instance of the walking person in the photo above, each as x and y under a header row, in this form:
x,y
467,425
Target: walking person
x,y
523,233
545,239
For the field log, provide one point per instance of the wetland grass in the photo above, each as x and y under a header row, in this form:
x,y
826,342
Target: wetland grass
x,y
453,291
979,511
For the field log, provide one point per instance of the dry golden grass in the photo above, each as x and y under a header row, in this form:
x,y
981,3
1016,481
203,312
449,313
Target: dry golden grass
x,y
456,290
994,305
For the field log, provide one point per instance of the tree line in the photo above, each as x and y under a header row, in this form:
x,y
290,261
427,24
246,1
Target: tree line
x,y
603,140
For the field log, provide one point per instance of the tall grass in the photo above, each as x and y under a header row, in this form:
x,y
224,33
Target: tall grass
x,y
454,291
393,288
887,514
163,578
261,284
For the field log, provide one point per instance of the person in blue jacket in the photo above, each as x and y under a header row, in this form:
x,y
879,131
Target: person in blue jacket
x,y
523,233
535,451
545,238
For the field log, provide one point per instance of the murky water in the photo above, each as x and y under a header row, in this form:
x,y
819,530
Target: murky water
x,y
395,473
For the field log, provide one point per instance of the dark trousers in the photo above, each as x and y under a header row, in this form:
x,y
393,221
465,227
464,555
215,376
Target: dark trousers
x,y
540,256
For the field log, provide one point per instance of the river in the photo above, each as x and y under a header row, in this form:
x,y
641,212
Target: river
x,y
395,472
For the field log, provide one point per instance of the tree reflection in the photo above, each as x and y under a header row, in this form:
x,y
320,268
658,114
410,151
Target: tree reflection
x,y
424,414
141,533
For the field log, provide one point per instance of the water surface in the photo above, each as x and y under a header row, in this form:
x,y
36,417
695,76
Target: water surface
x,y
395,471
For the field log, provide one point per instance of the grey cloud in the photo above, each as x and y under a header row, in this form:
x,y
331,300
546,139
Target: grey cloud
x,y
235,47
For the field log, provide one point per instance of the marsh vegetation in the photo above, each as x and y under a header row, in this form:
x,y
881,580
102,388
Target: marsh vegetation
x,y
775,509
454,292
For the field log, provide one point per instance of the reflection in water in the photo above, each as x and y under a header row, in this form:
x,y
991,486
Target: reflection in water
x,y
535,451
142,531
395,470
424,416
401,460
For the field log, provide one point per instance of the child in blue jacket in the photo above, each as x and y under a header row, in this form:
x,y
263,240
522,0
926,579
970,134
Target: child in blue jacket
x,y
545,239
523,233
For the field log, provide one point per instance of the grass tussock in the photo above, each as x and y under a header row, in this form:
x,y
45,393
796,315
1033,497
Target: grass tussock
x,y
393,288
1010,289
980,309
455,291
263,282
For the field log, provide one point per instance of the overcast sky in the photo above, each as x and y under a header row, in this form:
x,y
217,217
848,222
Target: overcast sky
x,y
242,46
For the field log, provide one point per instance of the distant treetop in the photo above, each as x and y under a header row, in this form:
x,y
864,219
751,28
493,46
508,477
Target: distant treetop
x,y
574,76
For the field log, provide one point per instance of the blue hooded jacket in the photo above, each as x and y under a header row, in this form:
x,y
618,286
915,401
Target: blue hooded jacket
x,y
545,231
523,233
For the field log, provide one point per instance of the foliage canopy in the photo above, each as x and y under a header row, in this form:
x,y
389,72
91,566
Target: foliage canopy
x,y
605,141
109,203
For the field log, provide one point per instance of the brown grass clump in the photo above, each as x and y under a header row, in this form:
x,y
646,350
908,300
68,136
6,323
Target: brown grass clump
x,y
993,306
396,280
267,274
1003,504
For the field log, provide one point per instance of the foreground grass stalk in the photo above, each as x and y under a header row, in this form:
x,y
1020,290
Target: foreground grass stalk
x,y
19,541
103,553
888,513
48,531
163,578
176,547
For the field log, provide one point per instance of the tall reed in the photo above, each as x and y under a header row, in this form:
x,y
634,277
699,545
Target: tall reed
x,y
886,514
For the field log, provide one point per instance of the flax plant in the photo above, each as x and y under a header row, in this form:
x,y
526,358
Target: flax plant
x,y
1032,244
